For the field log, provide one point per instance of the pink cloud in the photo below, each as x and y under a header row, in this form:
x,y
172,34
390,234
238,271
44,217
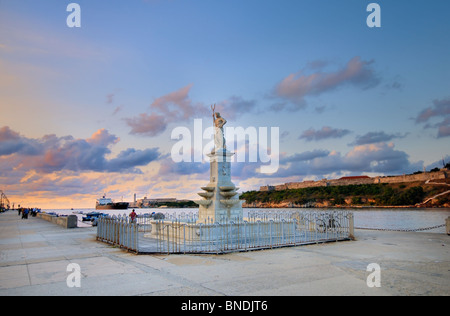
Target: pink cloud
x,y
147,124
52,153
103,137
439,110
173,107
297,86
175,104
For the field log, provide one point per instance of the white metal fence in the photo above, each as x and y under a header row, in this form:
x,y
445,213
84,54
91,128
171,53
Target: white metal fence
x,y
261,230
119,231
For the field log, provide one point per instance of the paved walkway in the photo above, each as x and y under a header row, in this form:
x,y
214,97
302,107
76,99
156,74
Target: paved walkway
x,y
34,255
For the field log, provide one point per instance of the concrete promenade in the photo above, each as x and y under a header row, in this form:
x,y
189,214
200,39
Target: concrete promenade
x,y
34,255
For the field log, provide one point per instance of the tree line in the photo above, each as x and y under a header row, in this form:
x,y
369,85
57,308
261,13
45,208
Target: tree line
x,y
378,194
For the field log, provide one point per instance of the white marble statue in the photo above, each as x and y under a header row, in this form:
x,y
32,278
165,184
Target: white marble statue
x,y
219,138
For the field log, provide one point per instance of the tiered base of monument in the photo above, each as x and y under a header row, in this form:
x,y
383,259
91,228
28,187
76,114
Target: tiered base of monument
x,y
220,197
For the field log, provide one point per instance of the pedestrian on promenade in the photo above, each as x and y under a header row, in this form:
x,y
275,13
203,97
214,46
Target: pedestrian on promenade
x,y
133,215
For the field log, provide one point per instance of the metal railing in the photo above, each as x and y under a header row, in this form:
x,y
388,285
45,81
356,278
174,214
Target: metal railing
x,y
259,231
4,202
119,231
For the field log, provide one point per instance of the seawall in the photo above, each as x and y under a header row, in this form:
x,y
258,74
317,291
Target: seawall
x,y
64,221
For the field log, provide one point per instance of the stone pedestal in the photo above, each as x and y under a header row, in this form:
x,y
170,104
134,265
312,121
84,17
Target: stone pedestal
x,y
220,197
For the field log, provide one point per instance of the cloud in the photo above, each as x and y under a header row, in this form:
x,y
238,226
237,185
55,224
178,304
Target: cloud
x,y
51,153
295,87
444,128
324,133
375,137
236,106
102,138
173,107
176,169
110,98
117,109
11,142
177,106
380,158
127,160
305,156
54,171
439,109
439,164
147,124
62,184
394,86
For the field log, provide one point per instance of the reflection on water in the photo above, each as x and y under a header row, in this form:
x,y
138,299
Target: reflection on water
x,y
364,218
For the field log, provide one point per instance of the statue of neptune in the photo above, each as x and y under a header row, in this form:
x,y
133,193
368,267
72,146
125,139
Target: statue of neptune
x,y
219,138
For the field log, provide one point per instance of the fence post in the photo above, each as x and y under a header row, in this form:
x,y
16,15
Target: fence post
x,y
168,240
447,222
136,237
351,227
99,229
245,234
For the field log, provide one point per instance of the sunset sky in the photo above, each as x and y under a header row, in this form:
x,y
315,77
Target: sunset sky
x,y
90,110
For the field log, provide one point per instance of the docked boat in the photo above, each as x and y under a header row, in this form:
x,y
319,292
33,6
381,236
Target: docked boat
x,y
92,216
105,203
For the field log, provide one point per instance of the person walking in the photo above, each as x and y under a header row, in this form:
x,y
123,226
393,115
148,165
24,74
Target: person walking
x,y
133,215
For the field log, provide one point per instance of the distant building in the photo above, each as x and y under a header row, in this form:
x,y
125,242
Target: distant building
x,y
267,188
354,178
146,202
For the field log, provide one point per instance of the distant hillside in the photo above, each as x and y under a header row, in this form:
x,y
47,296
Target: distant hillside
x,y
433,175
381,194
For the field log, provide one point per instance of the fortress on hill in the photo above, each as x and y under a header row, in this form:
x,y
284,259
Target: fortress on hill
x,y
356,180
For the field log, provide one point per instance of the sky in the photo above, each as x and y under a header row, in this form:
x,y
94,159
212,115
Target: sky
x,y
90,110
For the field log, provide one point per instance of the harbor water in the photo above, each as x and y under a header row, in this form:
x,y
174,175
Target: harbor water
x,y
417,219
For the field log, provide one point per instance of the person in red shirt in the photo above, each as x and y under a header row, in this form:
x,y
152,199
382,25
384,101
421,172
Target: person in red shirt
x,y
133,215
